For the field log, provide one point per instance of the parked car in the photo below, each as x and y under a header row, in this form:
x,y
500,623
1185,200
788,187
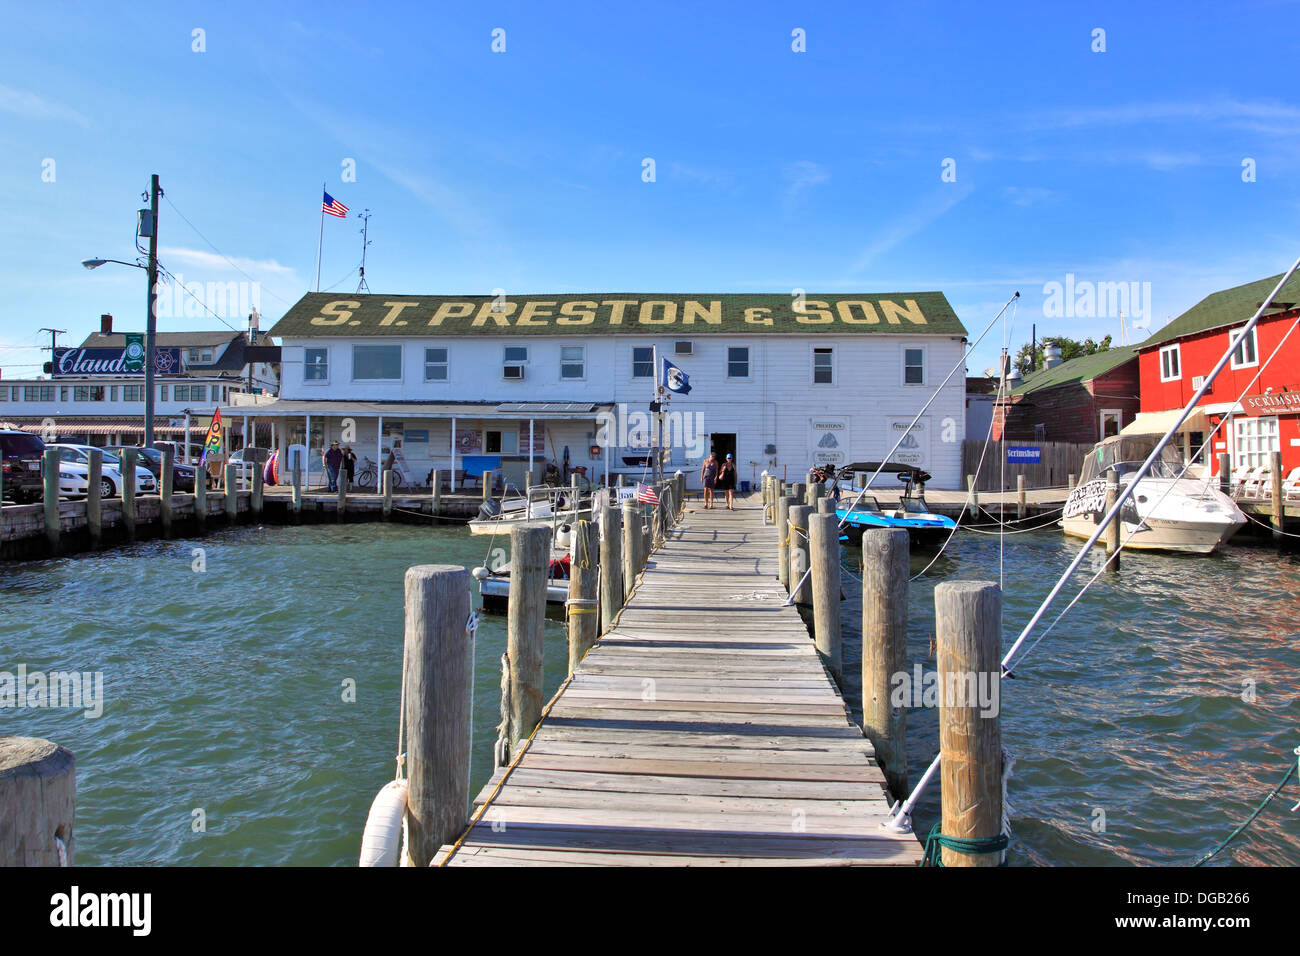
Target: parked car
x,y
74,466
246,460
151,458
21,455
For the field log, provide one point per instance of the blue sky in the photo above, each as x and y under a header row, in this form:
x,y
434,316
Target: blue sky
x,y
775,170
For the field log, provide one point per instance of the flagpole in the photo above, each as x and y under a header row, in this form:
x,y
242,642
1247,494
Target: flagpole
x,y
321,238
654,401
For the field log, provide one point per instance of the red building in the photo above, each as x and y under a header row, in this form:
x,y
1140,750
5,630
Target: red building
x,y
1083,400
1174,362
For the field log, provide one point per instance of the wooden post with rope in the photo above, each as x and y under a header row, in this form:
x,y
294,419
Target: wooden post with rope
x,y
799,554
584,579
968,629
165,475
1020,498
824,547
38,791
631,545
296,478
129,464
1113,530
611,566
783,506
530,552
50,477
232,492
1279,512
972,497
94,496
436,707
255,495
886,561
435,492
388,494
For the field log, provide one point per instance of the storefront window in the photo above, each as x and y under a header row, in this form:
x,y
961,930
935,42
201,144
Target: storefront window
x,y
1256,440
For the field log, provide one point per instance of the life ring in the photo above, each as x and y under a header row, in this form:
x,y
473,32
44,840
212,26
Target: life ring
x,y
382,841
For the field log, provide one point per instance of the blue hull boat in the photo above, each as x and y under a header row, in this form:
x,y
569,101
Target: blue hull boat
x,y
913,515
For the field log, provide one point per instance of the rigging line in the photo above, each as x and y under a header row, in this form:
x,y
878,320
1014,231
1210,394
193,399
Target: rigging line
x,y
218,251
166,273
900,816
344,279
1002,518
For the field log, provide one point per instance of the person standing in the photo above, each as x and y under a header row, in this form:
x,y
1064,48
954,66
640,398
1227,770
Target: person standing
x,y
727,479
349,463
332,459
709,477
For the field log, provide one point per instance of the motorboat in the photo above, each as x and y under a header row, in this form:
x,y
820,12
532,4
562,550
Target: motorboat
x,y
859,511
1166,512
544,503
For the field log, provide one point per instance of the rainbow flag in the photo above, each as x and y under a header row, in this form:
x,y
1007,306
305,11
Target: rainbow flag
x,y
212,441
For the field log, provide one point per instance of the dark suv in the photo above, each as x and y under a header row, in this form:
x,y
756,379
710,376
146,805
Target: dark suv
x,y
21,454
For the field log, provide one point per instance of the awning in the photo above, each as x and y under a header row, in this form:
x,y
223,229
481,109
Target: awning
x,y
1157,423
296,408
111,428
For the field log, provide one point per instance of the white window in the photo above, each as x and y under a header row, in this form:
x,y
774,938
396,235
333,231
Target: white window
x,y
914,366
643,361
1255,441
738,361
316,365
1111,421
1171,368
501,443
133,393
823,371
198,356
516,357
180,393
435,365
1244,355
376,363
573,362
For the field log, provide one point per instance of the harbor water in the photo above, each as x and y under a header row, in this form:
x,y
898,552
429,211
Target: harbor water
x,y
251,682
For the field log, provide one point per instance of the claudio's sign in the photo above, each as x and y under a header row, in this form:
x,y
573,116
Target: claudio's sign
x,y
167,361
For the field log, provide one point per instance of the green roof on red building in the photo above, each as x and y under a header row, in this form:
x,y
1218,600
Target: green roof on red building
x,y
1229,307
1076,371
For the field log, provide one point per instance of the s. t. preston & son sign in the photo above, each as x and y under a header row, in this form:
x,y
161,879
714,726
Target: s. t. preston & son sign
x,y
167,361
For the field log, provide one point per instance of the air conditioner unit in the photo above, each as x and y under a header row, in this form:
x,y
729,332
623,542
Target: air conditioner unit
x,y
1198,381
683,347
513,371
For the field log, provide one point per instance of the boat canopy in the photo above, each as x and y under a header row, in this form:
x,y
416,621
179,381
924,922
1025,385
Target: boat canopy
x,y
1125,453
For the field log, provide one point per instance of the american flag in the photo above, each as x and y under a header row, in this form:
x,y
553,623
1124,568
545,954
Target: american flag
x,y
333,207
646,495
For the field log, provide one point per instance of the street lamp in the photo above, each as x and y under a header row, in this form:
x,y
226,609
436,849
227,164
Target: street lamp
x,y
147,228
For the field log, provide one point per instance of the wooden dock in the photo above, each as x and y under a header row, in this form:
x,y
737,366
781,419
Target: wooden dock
x,y
703,730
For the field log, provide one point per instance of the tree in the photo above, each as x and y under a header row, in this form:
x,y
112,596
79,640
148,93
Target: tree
x,y
1029,358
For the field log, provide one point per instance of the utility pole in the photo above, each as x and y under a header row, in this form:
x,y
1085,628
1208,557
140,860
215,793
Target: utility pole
x,y
151,322
365,241
54,342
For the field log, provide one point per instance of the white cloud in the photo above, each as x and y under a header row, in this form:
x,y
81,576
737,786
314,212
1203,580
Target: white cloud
x,y
24,103
203,259
900,230
802,175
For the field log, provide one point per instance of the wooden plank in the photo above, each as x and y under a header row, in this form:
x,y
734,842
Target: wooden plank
x,y
700,768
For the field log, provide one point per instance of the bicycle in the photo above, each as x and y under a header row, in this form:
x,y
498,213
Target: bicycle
x,y
369,472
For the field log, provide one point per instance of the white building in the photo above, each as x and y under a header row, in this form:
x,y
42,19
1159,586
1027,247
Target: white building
x,y
443,377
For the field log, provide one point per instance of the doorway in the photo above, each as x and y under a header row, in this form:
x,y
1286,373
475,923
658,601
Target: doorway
x,y
723,444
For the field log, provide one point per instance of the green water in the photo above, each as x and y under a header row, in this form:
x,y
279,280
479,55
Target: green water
x,y
224,694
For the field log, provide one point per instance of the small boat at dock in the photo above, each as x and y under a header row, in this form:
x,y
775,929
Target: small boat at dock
x,y
547,503
859,512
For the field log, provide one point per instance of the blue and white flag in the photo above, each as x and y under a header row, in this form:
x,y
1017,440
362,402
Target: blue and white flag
x,y
674,379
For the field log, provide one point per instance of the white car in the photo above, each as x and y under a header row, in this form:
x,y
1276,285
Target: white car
x,y
74,465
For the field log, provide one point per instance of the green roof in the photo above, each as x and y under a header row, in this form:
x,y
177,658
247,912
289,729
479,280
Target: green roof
x,y
330,314
1077,370
1230,307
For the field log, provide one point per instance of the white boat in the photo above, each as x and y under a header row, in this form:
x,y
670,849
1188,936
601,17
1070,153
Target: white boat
x,y
544,503
1165,512
494,584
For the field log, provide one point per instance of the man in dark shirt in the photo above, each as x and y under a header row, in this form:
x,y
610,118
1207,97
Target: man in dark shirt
x,y
332,459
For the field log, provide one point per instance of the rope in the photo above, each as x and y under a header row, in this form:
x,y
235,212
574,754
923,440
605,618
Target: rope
x,y
471,628
1291,771
1269,525
938,841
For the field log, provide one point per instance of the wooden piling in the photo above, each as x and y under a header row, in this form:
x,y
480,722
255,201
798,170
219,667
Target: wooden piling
x,y
435,687
799,554
129,465
489,479
388,494
38,791
584,580
255,495
1069,486
783,505
1113,530
968,630
50,476
1020,498
886,569
611,566
1225,473
825,506
972,497
647,538
342,507
631,546
1279,512
800,491
166,481
232,493
436,493
824,547
530,552
201,495
816,491
94,497
297,489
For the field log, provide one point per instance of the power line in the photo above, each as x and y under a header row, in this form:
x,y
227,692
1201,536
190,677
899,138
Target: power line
x,y
218,251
